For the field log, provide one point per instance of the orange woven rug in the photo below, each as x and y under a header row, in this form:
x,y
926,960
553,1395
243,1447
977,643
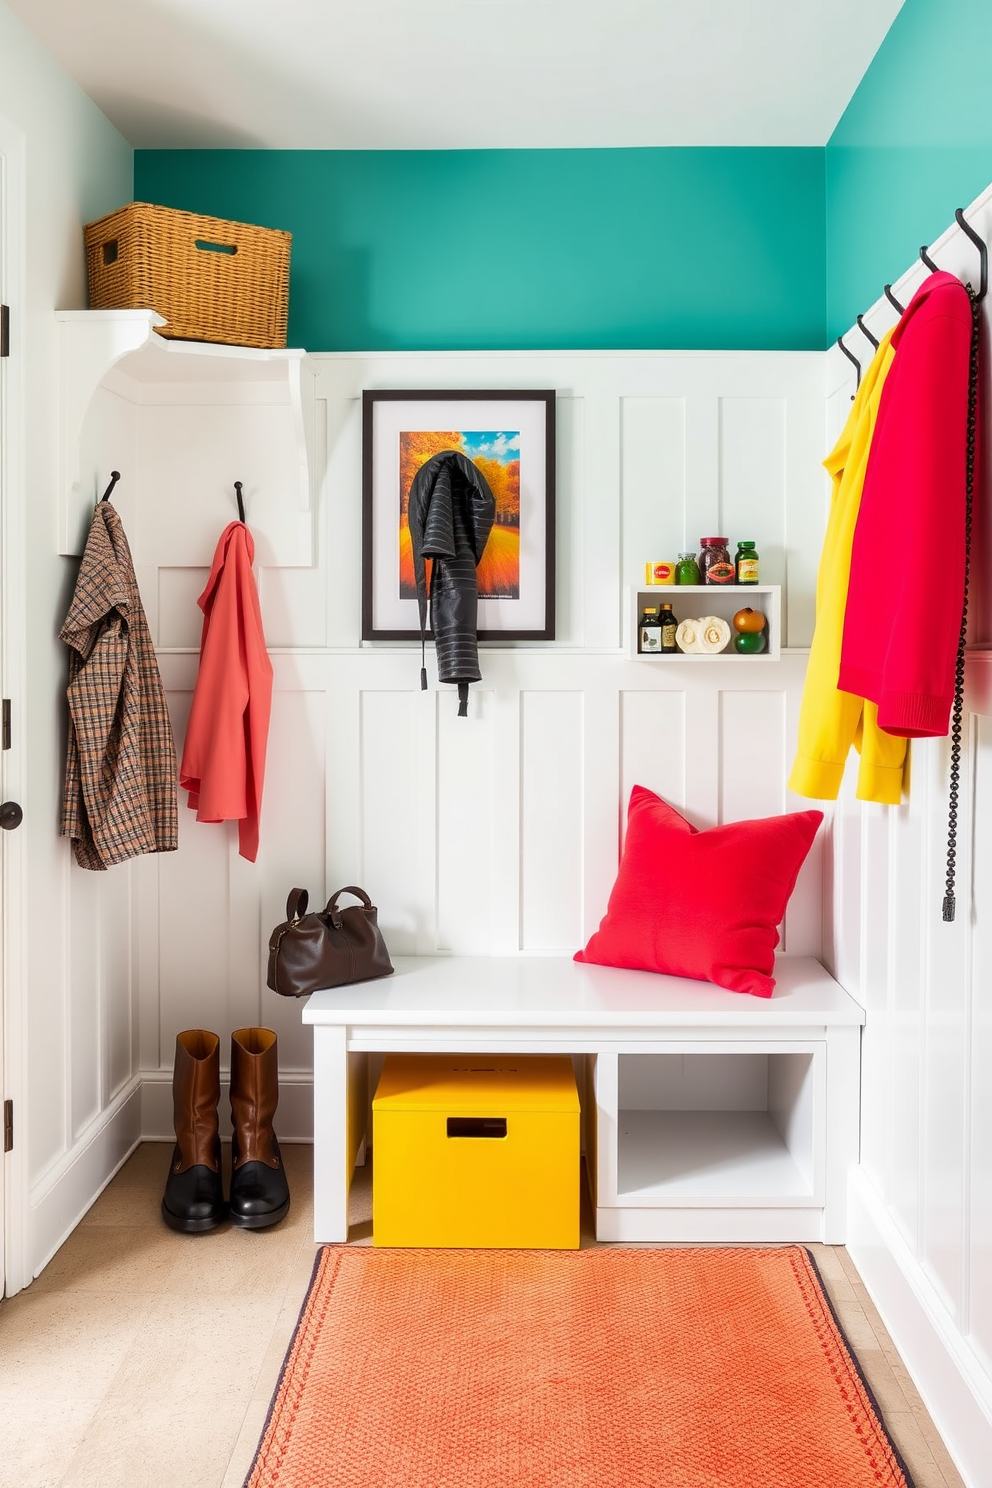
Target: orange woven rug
x,y
690,1368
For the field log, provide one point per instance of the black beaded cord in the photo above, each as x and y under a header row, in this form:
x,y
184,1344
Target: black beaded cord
x,y
969,487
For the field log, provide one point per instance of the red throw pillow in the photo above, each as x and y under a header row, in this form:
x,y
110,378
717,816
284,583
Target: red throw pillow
x,y
702,904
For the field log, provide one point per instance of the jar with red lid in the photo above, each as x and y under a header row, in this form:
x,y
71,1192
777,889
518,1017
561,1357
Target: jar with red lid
x,y
715,563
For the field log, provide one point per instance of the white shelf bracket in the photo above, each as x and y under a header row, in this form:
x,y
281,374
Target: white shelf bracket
x,y
89,344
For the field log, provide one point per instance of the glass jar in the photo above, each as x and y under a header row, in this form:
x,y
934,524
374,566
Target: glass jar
x,y
746,563
687,569
714,561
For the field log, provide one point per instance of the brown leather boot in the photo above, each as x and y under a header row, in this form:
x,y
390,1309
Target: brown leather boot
x,y
259,1191
194,1196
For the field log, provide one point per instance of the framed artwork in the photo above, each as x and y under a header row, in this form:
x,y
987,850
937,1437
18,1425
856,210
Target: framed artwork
x,y
510,436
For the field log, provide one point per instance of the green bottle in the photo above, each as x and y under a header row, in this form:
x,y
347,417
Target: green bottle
x,y
746,563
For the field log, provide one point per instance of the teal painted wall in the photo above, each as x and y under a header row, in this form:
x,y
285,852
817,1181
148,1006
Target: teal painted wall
x,y
914,143
501,249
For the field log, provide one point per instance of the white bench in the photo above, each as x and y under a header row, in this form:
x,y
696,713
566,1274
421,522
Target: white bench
x,y
709,1116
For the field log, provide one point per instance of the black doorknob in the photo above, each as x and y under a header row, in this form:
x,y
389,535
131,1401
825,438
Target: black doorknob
x,y
11,815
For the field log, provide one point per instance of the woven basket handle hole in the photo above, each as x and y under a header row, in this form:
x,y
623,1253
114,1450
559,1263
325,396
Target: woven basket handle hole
x,y
206,247
111,251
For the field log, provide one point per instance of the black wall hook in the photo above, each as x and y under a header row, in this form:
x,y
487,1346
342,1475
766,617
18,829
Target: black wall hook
x,y
893,301
928,260
982,247
851,358
115,476
241,504
866,331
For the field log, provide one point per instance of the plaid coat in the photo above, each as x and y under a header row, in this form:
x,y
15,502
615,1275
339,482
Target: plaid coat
x,y
120,771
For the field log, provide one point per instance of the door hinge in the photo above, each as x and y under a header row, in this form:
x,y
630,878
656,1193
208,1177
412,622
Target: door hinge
x,y
4,330
5,725
8,1126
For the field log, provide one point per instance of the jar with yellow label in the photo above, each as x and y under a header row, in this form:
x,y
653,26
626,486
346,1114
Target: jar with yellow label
x,y
746,563
715,566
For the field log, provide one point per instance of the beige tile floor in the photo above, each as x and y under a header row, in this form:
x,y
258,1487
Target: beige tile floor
x,y
145,1359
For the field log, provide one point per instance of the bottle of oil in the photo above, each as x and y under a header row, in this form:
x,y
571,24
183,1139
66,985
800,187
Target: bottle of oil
x,y
649,631
669,625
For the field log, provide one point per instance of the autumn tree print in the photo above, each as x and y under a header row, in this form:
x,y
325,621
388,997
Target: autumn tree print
x,y
497,455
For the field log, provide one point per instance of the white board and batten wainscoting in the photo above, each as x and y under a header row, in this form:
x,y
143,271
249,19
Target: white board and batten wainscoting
x,y
499,835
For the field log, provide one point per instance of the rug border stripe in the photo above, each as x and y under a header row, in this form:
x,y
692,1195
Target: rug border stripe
x,y
289,1358
856,1367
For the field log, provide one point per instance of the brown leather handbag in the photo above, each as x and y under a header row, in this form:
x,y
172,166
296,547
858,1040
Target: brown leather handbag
x,y
326,948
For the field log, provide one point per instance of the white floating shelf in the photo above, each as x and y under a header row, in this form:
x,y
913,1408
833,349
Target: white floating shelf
x,y
691,601
120,352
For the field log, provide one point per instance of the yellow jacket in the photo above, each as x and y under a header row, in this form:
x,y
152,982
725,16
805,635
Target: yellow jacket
x,y
831,721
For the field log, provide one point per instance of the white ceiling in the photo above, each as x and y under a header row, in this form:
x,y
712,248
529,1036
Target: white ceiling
x,y
436,74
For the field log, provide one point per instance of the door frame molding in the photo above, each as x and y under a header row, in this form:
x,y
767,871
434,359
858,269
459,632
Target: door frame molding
x,y
15,1188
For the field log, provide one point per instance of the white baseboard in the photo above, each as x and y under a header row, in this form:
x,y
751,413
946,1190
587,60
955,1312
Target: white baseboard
x,y
293,1120
64,1194
955,1387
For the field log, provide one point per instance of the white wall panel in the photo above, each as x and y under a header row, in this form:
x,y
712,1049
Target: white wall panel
x,y
389,793
702,460
570,535
292,853
85,1006
190,455
194,911
979,1258
752,755
876,1039
117,982
551,827
653,472
909,915
293,602
752,479
468,799
652,743
180,619
945,1063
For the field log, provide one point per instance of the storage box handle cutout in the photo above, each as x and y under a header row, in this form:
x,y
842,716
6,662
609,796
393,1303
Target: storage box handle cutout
x,y
476,1126
206,247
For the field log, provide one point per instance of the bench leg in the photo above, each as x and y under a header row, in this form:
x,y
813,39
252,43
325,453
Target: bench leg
x,y
332,1163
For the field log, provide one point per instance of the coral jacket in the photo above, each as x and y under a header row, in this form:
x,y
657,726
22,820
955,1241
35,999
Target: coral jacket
x,y
830,720
223,763
906,591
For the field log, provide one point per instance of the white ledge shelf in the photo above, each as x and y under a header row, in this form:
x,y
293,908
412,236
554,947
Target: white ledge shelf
x,y
120,352
691,602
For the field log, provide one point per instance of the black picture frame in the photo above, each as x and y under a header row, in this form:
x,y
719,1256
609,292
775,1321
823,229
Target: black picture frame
x,y
529,415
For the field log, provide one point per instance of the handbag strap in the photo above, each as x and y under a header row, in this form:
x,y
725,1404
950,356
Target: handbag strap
x,y
332,903
296,904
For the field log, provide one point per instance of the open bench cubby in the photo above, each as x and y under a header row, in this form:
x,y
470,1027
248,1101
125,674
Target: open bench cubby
x,y
707,1115
712,1140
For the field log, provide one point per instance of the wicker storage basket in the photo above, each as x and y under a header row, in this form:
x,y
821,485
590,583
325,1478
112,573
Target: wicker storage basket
x,y
212,280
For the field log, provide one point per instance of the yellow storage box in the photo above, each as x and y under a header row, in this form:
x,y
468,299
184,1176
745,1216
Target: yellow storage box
x,y
476,1150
